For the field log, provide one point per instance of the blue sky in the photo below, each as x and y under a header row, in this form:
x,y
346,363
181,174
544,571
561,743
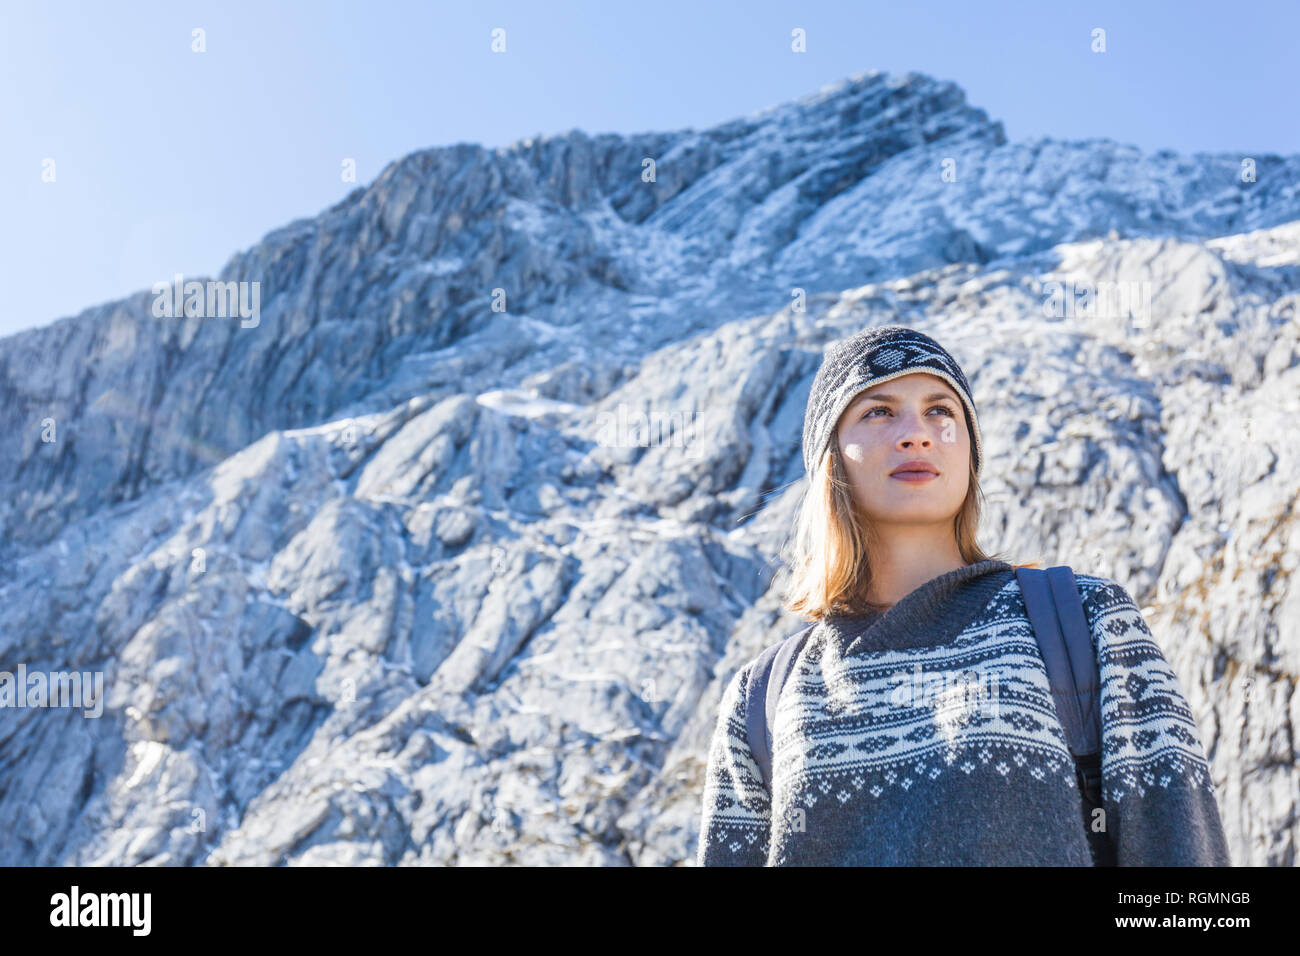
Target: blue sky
x,y
167,160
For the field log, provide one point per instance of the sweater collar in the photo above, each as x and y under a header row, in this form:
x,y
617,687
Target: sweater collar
x,y
930,615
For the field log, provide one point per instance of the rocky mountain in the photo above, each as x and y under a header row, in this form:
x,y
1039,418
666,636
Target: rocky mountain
x,y
446,555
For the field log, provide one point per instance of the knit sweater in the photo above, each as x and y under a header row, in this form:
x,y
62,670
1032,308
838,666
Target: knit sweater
x,y
927,736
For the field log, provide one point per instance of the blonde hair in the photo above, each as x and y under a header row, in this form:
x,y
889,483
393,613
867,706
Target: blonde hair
x,y
825,557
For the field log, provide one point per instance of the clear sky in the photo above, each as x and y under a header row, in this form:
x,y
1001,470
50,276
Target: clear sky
x,y
167,160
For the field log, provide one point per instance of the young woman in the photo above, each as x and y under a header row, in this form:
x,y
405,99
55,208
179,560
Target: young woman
x,y
917,726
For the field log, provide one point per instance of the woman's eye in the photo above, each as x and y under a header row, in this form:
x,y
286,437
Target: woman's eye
x,y
885,408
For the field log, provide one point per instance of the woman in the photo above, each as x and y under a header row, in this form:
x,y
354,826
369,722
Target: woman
x,y
917,726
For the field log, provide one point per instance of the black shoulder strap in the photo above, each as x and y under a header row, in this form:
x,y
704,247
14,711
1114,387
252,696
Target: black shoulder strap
x,y
771,669
1065,641
1064,638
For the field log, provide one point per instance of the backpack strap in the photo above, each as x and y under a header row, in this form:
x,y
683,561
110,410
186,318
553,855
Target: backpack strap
x,y
1056,613
771,669
1064,638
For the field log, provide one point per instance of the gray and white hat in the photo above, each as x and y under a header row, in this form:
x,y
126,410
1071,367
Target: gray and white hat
x,y
869,358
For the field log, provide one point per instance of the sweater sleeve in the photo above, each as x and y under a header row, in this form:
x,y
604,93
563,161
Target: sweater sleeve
x,y
1157,789
736,820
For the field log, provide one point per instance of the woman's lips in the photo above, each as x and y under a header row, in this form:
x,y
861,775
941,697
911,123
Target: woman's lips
x,y
914,476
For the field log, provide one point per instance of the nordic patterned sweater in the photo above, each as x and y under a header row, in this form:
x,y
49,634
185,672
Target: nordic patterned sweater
x,y
928,736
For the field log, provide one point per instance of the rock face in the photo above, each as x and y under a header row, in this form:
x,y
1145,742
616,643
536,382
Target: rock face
x,y
448,557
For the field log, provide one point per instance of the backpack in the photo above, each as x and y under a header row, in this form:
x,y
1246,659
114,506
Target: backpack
x,y
1055,611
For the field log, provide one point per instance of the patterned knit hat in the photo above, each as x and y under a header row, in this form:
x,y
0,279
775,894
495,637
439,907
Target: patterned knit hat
x,y
869,358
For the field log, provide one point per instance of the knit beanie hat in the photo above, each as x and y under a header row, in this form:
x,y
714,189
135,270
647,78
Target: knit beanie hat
x,y
869,358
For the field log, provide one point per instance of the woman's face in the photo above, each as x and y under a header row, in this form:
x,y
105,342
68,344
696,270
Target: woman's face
x,y
913,417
